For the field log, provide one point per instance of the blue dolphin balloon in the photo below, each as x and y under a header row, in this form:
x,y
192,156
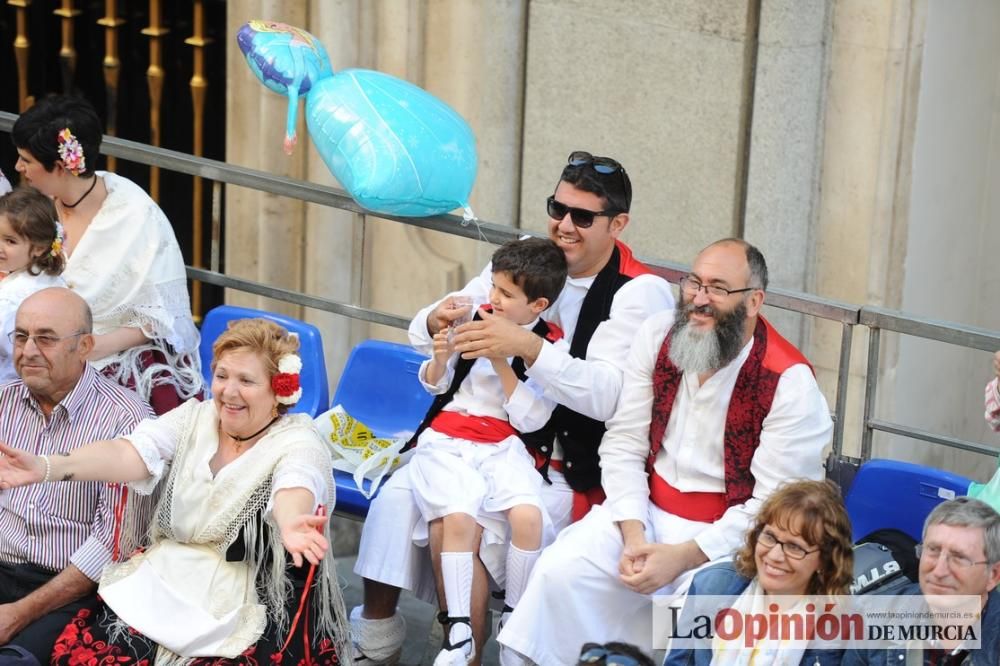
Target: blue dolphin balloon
x,y
393,146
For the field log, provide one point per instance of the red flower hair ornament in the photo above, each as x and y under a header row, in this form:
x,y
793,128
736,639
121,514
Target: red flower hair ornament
x,y
285,382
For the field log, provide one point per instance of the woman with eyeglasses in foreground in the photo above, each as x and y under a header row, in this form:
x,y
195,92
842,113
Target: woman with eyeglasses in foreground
x,y
800,544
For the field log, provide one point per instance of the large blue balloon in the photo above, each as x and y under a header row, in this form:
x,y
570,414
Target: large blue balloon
x,y
394,147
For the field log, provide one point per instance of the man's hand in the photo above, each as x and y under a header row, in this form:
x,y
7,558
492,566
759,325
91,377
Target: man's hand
x,y
19,468
12,621
662,564
996,363
496,337
633,536
444,314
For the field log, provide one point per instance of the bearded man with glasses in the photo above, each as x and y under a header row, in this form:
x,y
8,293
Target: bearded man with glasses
x,y
607,296
55,538
959,555
716,411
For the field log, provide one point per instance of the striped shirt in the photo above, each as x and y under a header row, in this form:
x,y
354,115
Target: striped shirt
x,y
52,525
993,404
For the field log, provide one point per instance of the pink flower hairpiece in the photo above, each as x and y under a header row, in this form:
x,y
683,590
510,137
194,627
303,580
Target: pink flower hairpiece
x,y
286,381
71,153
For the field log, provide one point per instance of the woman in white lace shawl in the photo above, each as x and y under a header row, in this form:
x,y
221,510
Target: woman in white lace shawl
x,y
243,492
122,255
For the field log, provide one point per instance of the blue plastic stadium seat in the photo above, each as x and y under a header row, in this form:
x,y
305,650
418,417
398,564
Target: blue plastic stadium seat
x,y
900,495
379,387
315,389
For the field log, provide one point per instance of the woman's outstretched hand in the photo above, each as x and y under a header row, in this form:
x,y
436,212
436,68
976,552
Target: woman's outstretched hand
x,y
303,537
19,468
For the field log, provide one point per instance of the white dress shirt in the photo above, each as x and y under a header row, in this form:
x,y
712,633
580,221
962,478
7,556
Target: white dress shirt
x,y
794,434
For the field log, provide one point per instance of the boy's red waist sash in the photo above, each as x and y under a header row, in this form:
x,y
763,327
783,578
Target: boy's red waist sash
x,y
481,429
699,506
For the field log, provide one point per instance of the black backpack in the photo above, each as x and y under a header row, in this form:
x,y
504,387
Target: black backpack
x,y
884,562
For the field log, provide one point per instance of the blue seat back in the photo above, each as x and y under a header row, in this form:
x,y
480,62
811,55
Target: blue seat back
x,y
315,388
380,388
897,494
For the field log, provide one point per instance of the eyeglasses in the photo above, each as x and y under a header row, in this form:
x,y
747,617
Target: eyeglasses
x,y
790,549
42,341
691,285
581,217
934,553
593,653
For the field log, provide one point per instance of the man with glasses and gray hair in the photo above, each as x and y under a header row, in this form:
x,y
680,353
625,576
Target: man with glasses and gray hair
x,y
55,538
959,555
716,411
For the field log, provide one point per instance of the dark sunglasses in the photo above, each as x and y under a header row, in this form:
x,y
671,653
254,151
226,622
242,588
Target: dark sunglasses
x,y
604,165
592,653
581,217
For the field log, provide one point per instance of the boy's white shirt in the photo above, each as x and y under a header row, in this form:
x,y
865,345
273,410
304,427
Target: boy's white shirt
x,y
481,393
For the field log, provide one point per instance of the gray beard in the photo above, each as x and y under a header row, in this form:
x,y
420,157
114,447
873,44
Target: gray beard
x,y
706,351
695,351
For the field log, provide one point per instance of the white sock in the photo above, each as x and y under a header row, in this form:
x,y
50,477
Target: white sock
x,y
519,565
456,570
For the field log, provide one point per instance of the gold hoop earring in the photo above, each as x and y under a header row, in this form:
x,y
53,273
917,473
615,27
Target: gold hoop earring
x,y
274,411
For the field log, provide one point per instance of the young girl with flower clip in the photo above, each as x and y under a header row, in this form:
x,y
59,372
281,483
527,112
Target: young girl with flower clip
x,y
121,254
30,255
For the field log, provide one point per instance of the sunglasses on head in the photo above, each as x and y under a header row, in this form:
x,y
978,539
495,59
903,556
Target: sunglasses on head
x,y
604,165
592,653
581,217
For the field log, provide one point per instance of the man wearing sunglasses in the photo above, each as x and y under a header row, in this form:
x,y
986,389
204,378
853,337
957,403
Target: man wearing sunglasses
x,y
607,296
55,538
716,411
959,555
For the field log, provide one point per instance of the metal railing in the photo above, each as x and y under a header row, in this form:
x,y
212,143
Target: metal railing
x,y
847,315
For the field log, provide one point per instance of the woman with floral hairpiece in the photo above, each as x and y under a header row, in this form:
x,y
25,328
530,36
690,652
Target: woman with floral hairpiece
x,y
244,487
121,254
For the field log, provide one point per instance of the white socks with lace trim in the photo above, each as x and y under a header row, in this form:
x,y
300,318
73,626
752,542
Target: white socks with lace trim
x,y
456,570
519,565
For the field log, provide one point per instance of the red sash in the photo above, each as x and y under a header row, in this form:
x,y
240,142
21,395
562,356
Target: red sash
x,y
584,500
702,507
481,429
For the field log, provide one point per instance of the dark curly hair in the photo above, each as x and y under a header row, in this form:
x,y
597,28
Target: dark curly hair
x,y
32,216
817,508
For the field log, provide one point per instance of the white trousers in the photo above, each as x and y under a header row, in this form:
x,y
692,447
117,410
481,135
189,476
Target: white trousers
x,y
387,553
575,596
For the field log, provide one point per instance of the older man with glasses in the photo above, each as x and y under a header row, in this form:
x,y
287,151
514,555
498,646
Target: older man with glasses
x,y
959,555
607,296
55,538
716,411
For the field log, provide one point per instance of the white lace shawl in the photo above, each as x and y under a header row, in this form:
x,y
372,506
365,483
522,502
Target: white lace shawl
x,y
129,268
291,454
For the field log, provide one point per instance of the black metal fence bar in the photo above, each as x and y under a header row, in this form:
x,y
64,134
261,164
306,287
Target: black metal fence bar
x,y
927,436
298,298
